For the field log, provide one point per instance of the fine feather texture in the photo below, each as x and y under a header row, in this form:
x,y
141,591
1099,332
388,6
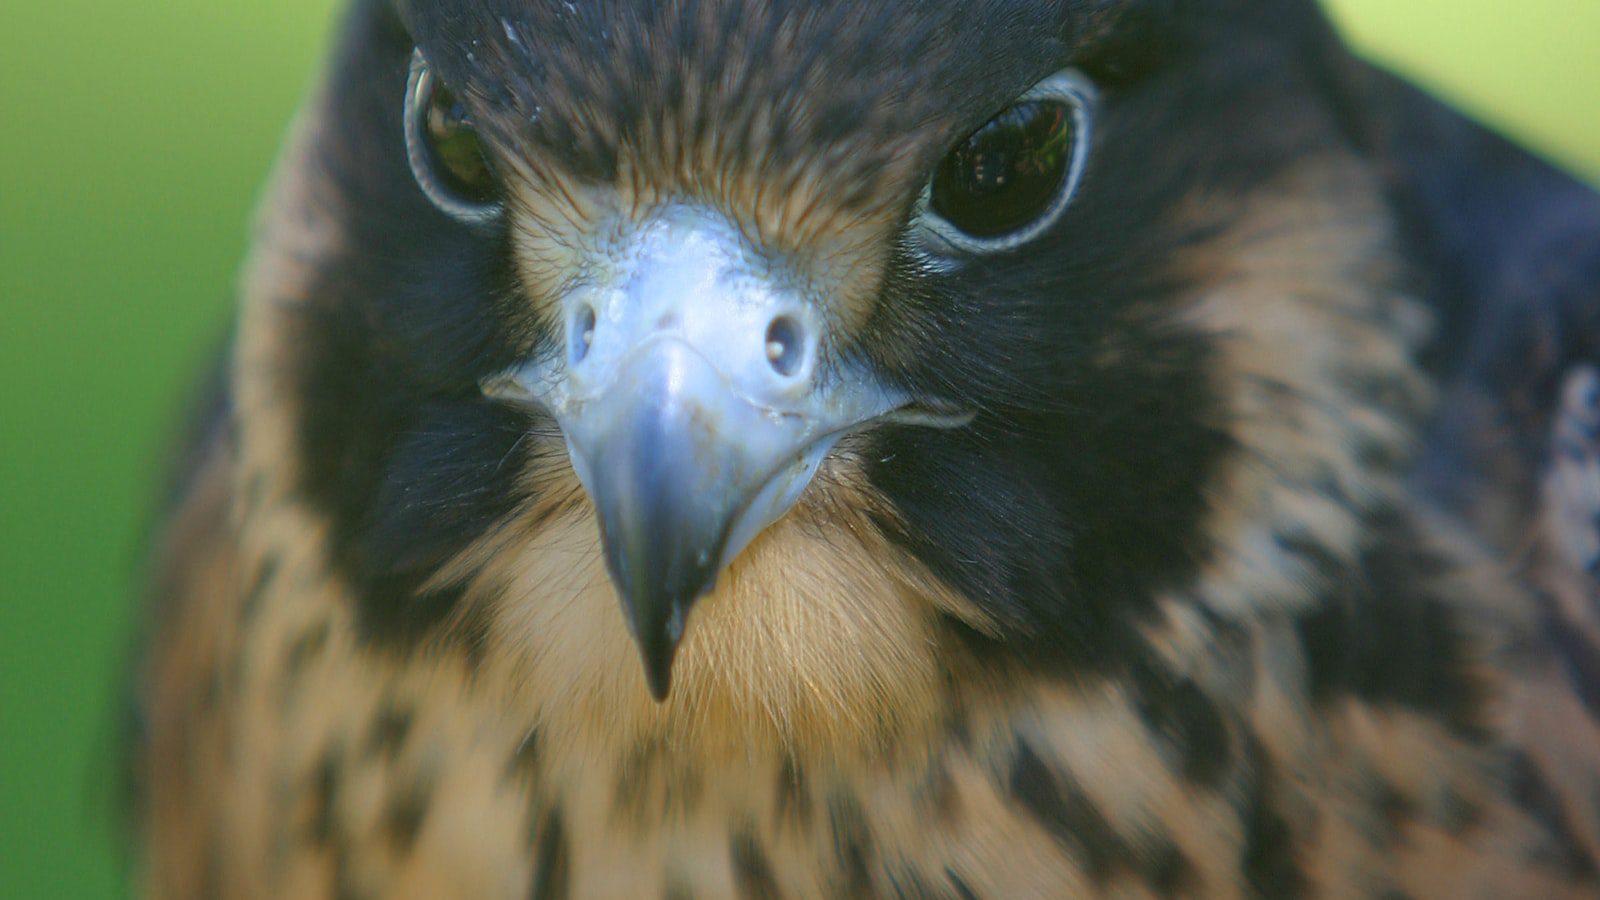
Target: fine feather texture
x,y
1260,570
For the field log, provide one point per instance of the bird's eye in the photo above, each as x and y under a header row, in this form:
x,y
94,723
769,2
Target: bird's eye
x,y
443,148
1009,180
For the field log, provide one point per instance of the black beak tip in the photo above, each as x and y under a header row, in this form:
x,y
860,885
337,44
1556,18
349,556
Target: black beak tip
x,y
657,622
658,673
660,550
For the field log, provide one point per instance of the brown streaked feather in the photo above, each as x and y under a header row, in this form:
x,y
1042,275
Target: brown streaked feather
x,y
1315,367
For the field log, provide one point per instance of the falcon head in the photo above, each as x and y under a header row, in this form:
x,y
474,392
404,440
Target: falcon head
x,y
827,352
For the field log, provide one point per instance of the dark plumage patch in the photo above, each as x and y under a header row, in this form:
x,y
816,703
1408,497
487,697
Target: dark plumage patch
x,y
637,771
409,310
1268,861
752,871
550,872
303,649
407,809
325,831
1382,634
388,732
962,890
344,885
1167,870
1578,657
1188,724
1458,813
1563,849
792,805
447,482
1072,819
266,572
1395,811
1077,491
1323,565
324,795
853,846
937,791
448,478
1069,816
647,787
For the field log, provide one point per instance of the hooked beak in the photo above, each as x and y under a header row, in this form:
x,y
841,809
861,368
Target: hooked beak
x,y
684,470
697,405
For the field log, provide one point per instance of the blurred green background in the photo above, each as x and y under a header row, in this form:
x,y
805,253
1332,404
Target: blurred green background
x,y
135,136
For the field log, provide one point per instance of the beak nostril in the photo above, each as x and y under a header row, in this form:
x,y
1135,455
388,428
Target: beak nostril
x,y
580,334
785,346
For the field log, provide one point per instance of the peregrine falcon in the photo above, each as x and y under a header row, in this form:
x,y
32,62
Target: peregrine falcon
x,y
926,449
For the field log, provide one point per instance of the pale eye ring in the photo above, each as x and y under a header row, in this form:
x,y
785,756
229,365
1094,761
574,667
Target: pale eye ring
x,y
443,149
1008,181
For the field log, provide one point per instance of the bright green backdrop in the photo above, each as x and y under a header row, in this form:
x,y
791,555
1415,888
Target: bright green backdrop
x,y
133,137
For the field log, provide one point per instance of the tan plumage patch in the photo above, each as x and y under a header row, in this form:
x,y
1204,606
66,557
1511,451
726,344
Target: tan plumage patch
x,y
821,640
1315,365
562,230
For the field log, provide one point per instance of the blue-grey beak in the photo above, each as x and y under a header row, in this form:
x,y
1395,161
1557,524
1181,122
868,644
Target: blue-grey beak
x,y
698,401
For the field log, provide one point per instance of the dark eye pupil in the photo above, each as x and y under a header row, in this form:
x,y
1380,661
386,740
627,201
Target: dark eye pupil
x,y
453,143
1008,172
